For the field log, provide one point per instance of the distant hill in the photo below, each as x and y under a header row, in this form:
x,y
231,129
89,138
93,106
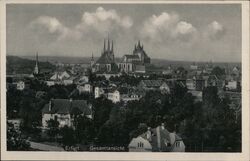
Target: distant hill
x,y
163,63
17,65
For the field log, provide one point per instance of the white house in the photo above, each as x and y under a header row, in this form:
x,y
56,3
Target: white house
x,y
84,79
140,144
158,139
85,88
20,85
231,85
60,75
63,110
114,96
98,92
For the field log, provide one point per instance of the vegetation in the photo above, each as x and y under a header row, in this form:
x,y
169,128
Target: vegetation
x,y
17,65
209,125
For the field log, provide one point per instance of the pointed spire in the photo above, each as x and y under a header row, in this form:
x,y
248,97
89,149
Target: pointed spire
x,y
36,70
108,44
112,46
104,46
92,58
36,58
139,44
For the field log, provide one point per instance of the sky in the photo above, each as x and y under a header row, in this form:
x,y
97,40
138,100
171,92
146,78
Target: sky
x,y
190,32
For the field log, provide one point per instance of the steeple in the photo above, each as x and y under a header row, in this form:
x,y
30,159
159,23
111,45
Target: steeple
x,y
139,44
104,46
112,47
36,69
92,60
108,45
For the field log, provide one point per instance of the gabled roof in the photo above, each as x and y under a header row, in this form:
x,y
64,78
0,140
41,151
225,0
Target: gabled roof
x,y
152,83
105,59
66,106
160,137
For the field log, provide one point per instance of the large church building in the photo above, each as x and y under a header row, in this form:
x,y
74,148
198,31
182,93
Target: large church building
x,y
135,62
106,63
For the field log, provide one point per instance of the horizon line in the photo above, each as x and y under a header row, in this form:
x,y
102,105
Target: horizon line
x,y
201,61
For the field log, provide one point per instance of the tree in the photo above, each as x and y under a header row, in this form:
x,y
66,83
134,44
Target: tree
x,y
53,128
218,71
68,136
14,140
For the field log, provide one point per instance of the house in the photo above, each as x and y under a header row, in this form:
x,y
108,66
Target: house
x,y
63,111
20,85
114,96
99,91
60,76
83,79
197,95
195,83
232,85
85,88
168,71
68,81
158,139
15,122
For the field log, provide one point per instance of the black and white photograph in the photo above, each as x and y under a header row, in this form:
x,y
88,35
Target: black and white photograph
x,y
124,77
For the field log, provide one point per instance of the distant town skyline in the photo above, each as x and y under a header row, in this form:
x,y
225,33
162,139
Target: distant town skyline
x,y
189,32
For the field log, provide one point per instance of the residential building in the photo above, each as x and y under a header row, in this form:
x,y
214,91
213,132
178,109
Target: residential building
x,y
64,110
158,139
85,88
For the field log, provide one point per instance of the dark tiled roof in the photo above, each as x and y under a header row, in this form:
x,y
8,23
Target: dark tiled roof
x,y
152,83
132,56
65,106
104,59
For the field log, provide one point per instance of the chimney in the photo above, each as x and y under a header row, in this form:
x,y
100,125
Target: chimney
x,y
149,134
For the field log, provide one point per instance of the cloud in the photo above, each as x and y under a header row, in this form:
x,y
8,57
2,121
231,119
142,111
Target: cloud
x,y
167,26
54,26
214,31
104,21
99,22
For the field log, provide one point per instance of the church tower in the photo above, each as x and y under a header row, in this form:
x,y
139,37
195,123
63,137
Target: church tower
x,y
36,69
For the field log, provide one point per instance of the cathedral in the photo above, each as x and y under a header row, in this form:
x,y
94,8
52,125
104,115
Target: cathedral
x,y
106,63
135,62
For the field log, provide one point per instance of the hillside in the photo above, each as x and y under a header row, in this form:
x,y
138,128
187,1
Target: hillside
x,y
17,65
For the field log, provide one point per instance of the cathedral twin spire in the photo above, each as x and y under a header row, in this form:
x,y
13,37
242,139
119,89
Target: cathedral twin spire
x,y
109,48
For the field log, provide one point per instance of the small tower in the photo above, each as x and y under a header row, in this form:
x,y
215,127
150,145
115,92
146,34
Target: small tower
x,y
92,62
36,69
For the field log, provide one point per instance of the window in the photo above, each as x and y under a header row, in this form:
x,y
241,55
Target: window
x,y
177,144
140,145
